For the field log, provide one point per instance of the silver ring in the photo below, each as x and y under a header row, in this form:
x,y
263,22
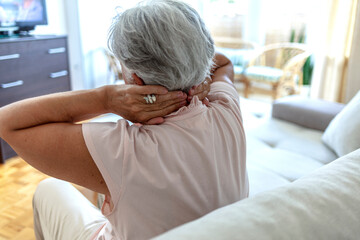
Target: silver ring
x,y
150,98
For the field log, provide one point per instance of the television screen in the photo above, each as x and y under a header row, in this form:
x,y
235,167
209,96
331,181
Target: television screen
x,y
22,13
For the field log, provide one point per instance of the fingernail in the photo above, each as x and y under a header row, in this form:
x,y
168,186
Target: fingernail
x,y
180,94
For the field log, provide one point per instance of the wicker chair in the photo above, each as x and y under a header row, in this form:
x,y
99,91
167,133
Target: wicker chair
x,y
238,51
279,65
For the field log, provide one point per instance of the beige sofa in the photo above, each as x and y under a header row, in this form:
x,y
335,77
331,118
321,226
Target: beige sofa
x,y
293,195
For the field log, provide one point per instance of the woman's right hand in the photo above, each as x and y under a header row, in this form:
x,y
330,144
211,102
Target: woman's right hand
x,y
128,101
201,91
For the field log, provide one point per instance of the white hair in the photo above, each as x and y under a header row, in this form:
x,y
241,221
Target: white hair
x,y
164,42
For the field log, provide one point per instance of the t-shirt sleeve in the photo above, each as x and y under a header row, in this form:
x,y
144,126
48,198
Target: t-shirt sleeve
x,y
107,143
225,94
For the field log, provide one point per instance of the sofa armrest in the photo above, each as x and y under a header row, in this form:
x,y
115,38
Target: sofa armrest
x,y
321,205
306,112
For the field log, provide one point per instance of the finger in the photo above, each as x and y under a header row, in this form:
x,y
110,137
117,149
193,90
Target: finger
x,y
202,95
200,88
155,121
206,101
175,95
149,89
158,105
195,89
165,111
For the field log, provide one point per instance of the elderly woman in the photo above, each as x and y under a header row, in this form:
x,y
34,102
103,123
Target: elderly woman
x,y
154,177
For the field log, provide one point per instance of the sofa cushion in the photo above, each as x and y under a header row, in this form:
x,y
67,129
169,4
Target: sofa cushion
x,y
273,131
288,165
306,112
343,132
308,143
291,137
323,205
261,179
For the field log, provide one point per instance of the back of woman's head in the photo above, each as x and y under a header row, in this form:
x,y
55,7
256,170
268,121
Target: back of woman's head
x,y
164,42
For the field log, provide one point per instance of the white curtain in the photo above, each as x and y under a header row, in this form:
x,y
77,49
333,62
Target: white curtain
x,y
331,37
353,75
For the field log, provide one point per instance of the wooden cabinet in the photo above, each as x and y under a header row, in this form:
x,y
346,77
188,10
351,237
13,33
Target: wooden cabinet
x,y
31,67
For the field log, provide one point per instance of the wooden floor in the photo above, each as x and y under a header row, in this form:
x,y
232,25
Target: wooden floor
x,y
18,182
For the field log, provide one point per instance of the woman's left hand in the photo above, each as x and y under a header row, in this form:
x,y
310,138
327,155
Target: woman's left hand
x,y
201,91
128,101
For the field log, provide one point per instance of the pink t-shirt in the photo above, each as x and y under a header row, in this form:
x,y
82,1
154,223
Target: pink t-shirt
x,y
162,176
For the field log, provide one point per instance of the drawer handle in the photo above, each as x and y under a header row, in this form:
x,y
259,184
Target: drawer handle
x,y
12,84
59,74
57,50
11,56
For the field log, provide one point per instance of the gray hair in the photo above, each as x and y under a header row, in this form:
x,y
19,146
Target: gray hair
x,y
165,42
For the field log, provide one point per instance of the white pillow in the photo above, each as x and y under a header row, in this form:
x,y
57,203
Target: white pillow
x,y
343,132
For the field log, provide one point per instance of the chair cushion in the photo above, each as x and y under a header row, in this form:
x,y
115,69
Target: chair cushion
x,y
343,132
238,57
263,73
238,69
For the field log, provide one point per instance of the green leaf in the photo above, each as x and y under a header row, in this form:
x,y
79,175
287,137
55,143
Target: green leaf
x,y
292,35
307,71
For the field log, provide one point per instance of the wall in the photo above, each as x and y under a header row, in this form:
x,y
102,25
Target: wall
x,y
74,45
254,28
56,19
94,22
